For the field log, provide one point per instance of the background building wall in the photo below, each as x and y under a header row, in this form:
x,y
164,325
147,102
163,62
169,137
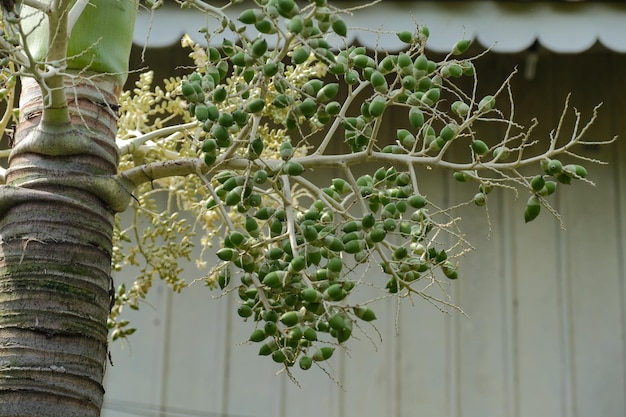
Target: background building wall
x,y
545,332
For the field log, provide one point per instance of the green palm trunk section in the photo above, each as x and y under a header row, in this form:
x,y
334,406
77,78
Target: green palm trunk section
x,y
56,224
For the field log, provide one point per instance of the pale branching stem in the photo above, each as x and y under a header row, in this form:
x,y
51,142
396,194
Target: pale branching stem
x,y
127,146
212,10
315,191
348,172
413,175
239,139
291,221
218,202
186,166
261,292
554,135
156,170
330,134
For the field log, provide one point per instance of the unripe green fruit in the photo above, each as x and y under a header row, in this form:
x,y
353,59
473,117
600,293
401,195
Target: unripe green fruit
x,y
548,188
258,335
305,362
219,94
187,89
201,112
328,92
260,177
368,221
296,25
335,264
486,103
400,253
279,356
480,199
416,117
364,313
323,354
335,293
405,36
377,235
533,207
290,318
240,117
431,96
339,25
309,334
379,82
460,47
333,108
377,106
265,26
250,16
409,82
537,183
417,201
274,279
460,108
351,77
233,197
501,153
267,348
388,64
307,108
363,61
226,254
354,246
333,244
259,47
337,321
554,167
462,176
209,146
293,168
300,55
225,120
479,147
236,238
255,105
448,132
404,60
452,70
449,270
244,311
311,295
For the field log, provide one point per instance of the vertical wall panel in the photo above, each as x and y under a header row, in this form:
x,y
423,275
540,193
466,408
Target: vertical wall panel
x,y
546,330
134,382
535,266
197,325
427,345
617,125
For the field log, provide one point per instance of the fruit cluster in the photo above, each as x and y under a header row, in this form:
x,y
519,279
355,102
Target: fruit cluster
x,y
296,294
294,260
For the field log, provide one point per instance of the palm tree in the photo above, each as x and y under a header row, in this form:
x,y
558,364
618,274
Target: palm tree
x,y
59,203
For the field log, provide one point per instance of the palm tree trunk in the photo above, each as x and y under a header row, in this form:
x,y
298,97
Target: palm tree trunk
x,y
55,253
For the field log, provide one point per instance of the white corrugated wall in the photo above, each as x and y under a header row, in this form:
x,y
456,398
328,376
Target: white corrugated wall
x,y
545,336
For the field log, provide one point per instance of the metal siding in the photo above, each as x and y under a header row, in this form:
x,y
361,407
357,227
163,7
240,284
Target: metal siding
x,y
547,310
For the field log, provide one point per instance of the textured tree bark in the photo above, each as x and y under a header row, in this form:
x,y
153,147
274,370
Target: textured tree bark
x,y
57,210
56,226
